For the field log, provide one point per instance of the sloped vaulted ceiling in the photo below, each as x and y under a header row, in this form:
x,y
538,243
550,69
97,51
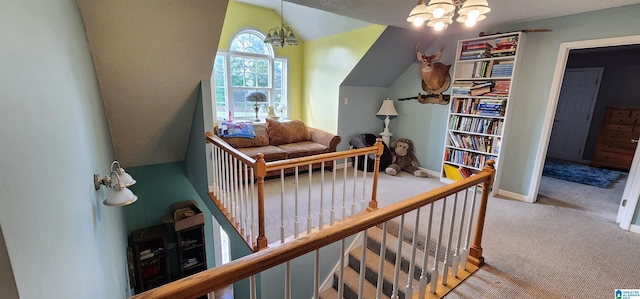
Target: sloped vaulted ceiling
x,y
150,56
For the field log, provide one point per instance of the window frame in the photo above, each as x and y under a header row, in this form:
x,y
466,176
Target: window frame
x,y
271,90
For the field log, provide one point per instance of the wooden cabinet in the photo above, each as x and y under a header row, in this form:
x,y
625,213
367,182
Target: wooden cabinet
x,y
481,98
618,138
192,255
151,260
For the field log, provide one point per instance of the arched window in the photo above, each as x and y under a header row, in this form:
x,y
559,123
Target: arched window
x,y
249,66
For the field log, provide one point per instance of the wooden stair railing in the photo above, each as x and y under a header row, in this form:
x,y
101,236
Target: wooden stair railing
x,y
248,266
229,165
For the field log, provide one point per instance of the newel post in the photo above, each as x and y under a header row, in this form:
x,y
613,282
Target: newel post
x,y
373,204
475,252
261,172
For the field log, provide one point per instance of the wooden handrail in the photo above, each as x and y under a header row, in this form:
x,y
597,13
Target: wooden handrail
x,y
231,150
221,276
303,161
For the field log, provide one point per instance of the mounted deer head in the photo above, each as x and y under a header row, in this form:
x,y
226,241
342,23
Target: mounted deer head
x,y
435,75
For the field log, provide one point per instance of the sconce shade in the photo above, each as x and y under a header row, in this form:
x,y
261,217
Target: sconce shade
x,y
118,180
126,178
120,197
387,108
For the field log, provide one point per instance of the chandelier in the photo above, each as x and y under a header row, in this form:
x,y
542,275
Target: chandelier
x,y
439,13
280,36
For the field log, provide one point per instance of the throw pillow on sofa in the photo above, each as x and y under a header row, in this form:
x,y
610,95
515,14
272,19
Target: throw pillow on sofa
x,y
287,132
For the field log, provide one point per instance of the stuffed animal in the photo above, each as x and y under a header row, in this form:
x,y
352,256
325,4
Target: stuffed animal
x,y
404,159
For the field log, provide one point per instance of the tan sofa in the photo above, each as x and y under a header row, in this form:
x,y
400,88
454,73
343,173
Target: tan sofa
x,y
284,140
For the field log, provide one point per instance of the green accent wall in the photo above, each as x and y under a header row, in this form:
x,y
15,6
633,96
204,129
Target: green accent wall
x,y
158,187
245,16
327,62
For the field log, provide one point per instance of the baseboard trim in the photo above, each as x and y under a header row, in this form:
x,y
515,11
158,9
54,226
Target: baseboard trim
x,y
634,228
431,173
513,195
342,165
328,281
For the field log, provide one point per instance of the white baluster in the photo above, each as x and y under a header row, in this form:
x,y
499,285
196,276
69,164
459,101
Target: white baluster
x,y
321,220
227,199
445,272
316,277
396,272
355,180
425,255
252,287
364,188
241,201
309,203
296,224
282,228
465,251
236,209
383,251
344,190
455,262
253,200
363,265
333,193
341,273
246,203
412,264
434,271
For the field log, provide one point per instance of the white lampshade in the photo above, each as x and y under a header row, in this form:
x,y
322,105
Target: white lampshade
x,y
387,108
125,178
419,14
439,8
120,197
481,5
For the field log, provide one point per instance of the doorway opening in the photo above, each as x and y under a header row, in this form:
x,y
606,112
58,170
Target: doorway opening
x,y
541,188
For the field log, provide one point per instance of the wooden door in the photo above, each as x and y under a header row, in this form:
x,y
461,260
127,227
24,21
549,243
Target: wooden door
x,y
577,100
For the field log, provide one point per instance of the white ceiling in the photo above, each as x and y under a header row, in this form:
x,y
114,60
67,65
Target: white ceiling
x,y
312,19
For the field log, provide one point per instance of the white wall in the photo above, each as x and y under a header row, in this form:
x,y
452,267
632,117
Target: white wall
x,y
61,241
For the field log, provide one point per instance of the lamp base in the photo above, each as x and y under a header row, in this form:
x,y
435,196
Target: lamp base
x,y
256,107
386,137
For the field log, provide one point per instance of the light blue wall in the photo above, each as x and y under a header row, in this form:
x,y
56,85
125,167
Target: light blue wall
x,y
62,241
359,115
537,67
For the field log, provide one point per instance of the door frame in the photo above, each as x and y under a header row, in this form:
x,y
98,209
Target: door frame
x,y
554,95
594,99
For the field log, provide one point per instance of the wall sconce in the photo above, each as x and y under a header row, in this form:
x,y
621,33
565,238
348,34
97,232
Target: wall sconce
x,y
121,195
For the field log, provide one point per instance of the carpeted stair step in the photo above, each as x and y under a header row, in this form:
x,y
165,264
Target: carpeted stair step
x,y
373,244
329,293
351,279
372,261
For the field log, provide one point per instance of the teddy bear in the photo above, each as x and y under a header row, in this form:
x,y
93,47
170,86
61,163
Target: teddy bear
x,y
404,159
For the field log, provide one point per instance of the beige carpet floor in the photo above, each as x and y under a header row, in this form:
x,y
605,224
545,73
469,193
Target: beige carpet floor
x,y
556,248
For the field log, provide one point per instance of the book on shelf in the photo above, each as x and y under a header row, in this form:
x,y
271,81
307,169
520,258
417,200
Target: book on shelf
x,y
480,91
452,172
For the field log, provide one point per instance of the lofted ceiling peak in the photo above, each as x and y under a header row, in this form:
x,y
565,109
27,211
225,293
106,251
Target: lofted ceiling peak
x,y
150,57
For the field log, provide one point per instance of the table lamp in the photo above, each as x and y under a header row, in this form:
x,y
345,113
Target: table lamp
x,y
256,97
387,109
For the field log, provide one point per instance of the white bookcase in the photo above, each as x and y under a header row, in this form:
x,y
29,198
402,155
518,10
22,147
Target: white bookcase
x,y
481,96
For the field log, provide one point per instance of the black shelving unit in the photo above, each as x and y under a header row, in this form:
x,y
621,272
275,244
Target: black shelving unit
x,y
150,256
